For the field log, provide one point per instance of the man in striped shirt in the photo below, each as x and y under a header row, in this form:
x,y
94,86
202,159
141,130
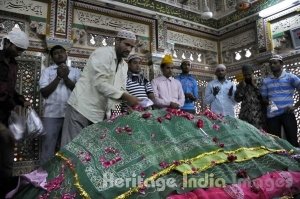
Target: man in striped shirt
x,y
279,89
137,85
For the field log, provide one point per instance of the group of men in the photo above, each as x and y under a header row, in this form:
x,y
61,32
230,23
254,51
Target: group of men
x,y
105,81
267,105
74,99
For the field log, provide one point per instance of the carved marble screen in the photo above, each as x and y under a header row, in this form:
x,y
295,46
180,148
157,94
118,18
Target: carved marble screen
x,y
279,31
26,152
293,65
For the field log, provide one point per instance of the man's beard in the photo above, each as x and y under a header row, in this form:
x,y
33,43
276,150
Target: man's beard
x,y
61,62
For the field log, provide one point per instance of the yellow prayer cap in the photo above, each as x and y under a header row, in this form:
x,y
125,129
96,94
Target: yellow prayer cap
x,y
167,59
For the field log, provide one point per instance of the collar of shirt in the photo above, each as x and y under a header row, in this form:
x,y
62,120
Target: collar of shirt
x,y
182,76
166,79
226,81
116,59
281,76
55,66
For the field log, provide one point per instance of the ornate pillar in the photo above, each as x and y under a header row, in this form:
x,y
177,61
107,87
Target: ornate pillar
x,y
60,24
161,33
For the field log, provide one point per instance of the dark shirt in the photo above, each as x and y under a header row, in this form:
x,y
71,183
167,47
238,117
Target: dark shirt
x,y
9,98
252,108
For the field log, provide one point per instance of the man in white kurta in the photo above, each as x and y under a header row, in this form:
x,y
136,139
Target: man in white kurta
x,y
102,85
219,93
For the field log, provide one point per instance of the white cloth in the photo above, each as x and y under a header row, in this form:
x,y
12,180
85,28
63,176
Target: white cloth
x,y
55,103
167,90
100,86
222,103
17,37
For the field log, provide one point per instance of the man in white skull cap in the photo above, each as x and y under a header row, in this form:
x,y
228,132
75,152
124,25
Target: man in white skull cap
x,y
101,87
12,45
219,93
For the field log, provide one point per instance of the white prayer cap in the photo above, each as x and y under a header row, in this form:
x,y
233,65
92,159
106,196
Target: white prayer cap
x,y
125,34
186,60
133,56
276,57
18,37
220,66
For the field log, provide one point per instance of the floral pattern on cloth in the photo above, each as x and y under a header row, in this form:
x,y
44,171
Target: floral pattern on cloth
x,y
235,191
271,185
153,150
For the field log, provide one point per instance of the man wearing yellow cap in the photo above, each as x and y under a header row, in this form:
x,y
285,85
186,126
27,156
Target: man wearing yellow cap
x,y
101,87
11,47
167,90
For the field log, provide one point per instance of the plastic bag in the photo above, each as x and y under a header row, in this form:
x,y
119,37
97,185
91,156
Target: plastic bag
x,y
272,107
17,125
146,102
34,124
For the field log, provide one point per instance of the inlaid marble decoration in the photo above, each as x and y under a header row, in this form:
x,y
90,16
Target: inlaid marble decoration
x,y
188,40
191,5
261,39
26,7
101,21
276,21
9,24
61,16
285,24
161,32
40,27
238,41
26,152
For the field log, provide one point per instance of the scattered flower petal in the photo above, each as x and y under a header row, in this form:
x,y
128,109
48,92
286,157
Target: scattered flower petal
x,y
200,123
231,157
160,119
168,116
146,115
242,173
216,127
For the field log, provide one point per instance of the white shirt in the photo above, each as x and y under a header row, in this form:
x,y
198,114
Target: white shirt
x,y
55,103
222,103
100,86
